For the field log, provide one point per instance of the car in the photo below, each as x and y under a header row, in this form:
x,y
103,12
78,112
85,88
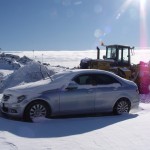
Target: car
x,y
80,91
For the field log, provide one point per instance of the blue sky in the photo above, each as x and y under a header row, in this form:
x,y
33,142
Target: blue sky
x,y
73,24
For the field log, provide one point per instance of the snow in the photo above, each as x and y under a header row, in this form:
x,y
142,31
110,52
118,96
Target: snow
x,y
73,58
99,132
80,133
28,71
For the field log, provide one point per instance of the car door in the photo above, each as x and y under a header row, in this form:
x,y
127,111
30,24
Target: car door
x,y
107,92
80,99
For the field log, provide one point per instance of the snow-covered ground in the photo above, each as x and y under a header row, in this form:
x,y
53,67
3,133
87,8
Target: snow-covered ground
x,y
87,133
101,132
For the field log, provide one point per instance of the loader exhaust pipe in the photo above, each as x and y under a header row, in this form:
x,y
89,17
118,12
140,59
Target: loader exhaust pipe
x,y
98,52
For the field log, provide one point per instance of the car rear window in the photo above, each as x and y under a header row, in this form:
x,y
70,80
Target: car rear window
x,y
105,79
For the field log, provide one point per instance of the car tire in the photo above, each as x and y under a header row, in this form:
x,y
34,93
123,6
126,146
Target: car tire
x,y
122,106
36,109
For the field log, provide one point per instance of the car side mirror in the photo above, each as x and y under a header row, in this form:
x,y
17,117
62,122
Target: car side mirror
x,y
72,86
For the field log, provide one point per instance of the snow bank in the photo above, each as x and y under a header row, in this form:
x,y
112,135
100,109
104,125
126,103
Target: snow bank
x,y
10,61
32,72
16,70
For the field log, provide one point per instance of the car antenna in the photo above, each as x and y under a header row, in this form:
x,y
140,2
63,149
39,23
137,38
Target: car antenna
x,y
41,70
48,73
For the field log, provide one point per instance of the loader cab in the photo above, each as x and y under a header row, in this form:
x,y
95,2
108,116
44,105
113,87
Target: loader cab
x,y
120,54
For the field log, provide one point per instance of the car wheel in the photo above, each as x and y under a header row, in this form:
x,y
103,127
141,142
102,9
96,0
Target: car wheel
x,y
122,106
35,110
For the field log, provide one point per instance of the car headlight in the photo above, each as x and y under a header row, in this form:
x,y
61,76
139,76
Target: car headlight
x,y
21,98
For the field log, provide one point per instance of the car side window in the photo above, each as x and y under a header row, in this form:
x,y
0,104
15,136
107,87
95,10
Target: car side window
x,y
84,79
104,79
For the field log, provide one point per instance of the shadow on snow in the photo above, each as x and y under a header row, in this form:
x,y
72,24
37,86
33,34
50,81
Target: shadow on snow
x,y
60,127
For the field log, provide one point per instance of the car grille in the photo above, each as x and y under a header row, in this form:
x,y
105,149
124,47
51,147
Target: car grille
x,y
6,97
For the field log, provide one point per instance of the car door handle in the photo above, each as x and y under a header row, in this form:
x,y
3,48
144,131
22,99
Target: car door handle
x,y
90,91
115,89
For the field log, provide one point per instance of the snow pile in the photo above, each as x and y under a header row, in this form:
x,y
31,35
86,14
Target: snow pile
x,y
24,60
10,61
16,70
32,72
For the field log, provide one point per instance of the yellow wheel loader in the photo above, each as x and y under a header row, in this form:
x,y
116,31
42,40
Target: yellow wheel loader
x,y
118,60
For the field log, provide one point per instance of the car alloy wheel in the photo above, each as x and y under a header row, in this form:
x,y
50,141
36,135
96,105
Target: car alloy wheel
x,y
121,107
36,109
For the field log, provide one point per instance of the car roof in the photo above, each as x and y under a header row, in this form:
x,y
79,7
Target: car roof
x,y
74,72
90,71
77,71
82,71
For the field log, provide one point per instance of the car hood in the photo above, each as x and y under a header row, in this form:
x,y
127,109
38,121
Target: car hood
x,y
35,88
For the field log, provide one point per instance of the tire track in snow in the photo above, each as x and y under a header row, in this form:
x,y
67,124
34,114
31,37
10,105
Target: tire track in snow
x,y
6,145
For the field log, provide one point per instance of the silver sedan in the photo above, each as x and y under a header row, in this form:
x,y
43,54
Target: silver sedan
x,y
71,92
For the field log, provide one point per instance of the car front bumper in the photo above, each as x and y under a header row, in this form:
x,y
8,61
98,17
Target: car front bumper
x,y
14,110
